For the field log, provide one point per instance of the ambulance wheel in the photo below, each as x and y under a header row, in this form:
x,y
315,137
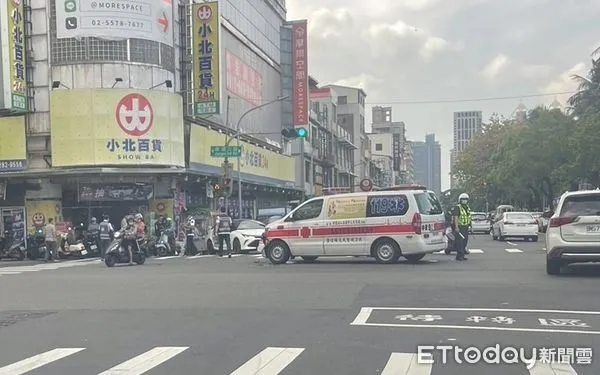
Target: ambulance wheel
x,y
278,252
386,251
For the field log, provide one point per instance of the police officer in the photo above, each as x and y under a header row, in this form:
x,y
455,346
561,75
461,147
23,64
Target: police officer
x,y
461,223
222,231
106,230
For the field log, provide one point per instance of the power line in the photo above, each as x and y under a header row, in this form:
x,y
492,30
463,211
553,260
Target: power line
x,y
440,101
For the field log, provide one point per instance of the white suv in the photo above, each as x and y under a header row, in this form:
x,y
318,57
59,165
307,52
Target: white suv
x,y
573,234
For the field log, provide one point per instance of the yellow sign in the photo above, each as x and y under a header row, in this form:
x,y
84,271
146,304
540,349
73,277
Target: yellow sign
x,y
164,207
39,211
15,59
347,208
13,144
96,127
255,160
206,58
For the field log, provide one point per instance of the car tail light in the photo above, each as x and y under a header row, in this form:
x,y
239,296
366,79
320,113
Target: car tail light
x,y
416,223
556,222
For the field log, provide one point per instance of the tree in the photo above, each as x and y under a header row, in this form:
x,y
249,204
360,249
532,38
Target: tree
x,y
587,98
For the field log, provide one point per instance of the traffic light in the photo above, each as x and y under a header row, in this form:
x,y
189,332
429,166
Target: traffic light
x,y
226,186
292,133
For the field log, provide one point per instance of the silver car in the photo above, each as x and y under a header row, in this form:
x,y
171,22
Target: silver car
x,y
480,223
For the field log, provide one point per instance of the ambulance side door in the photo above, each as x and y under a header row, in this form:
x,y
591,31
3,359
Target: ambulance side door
x,y
305,220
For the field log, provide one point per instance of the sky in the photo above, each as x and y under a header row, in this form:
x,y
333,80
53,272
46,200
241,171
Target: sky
x,y
403,51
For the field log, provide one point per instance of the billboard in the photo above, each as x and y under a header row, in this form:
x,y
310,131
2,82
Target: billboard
x,y
242,80
260,84
97,127
115,19
206,58
13,144
257,161
12,32
300,73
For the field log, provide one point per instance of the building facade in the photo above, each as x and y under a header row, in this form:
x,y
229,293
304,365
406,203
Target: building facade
x,y
351,117
467,124
388,139
79,160
427,163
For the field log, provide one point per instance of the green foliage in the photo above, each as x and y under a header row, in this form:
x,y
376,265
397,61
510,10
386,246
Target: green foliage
x,y
529,164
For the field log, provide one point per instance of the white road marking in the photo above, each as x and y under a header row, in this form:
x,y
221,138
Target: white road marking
x,y
168,257
440,252
38,361
201,256
270,361
478,328
543,248
511,244
146,361
406,364
579,312
45,266
552,369
362,316
513,250
475,251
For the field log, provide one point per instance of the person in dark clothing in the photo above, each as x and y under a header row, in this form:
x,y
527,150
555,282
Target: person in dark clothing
x,y
461,223
106,231
222,232
190,233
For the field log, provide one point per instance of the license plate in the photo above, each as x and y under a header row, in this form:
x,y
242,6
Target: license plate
x,y
592,228
93,247
83,252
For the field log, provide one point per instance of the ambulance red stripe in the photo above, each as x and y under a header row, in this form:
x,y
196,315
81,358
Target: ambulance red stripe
x,y
363,230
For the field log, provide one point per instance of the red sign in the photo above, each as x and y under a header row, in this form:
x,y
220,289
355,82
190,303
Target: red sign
x,y
300,73
320,93
135,115
242,80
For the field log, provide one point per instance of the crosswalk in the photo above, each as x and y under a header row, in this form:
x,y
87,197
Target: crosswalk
x,y
15,270
269,361
481,251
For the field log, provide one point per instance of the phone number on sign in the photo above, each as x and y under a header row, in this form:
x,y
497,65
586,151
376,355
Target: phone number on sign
x,y
94,22
12,165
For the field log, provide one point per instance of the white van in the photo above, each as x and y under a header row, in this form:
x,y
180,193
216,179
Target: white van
x,y
381,224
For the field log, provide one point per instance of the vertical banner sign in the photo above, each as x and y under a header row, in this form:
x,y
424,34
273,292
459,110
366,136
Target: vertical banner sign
x,y
300,73
396,152
13,43
206,26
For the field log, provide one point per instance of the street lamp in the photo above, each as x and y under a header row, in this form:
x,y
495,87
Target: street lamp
x,y
237,137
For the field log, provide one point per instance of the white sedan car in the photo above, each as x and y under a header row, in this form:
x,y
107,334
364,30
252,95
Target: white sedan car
x,y
245,236
480,223
515,224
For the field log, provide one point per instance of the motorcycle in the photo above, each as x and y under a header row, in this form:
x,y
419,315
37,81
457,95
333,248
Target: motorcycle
x,y
71,245
163,247
117,254
92,239
36,245
9,248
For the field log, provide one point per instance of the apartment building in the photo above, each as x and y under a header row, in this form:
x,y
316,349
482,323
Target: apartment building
x,y
427,163
467,124
350,103
388,140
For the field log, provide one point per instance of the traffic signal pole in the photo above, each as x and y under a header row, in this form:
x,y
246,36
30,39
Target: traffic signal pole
x,y
237,137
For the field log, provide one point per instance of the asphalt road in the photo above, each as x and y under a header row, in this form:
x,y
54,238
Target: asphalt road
x,y
241,316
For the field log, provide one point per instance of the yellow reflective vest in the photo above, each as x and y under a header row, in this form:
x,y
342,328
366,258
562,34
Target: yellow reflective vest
x,y
465,218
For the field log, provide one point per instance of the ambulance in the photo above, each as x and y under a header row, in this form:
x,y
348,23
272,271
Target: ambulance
x,y
406,221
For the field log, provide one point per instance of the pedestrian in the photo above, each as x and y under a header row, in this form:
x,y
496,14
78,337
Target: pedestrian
x,y
106,231
461,222
50,238
222,231
190,233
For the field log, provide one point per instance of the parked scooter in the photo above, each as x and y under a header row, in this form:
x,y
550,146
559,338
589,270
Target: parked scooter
x,y
36,245
9,248
91,242
163,246
71,243
117,254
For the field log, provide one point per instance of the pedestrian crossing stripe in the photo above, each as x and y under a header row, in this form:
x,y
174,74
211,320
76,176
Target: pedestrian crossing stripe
x,y
45,266
513,250
270,361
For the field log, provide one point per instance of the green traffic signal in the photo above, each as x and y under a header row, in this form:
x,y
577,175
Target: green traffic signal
x,y
302,133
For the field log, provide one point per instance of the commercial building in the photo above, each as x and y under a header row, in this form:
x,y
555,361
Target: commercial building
x,y
467,124
427,163
100,122
388,140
